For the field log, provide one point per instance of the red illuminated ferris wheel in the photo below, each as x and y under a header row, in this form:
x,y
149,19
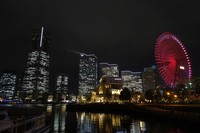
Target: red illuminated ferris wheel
x,y
172,60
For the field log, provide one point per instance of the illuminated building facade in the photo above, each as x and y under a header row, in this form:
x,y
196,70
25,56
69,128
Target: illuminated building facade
x,y
62,84
8,84
132,81
62,87
108,70
109,89
87,74
36,78
19,82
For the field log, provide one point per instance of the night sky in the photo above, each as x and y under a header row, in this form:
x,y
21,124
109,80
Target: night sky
x,y
119,31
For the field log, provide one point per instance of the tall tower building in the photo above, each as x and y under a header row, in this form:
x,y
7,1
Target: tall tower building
x,y
127,78
62,84
137,79
149,78
8,84
36,78
132,80
87,73
108,70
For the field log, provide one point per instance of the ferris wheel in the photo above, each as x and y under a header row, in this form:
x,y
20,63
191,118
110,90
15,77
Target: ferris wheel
x,y
172,60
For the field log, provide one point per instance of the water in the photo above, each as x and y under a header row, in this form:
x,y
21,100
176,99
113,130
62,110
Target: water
x,y
84,122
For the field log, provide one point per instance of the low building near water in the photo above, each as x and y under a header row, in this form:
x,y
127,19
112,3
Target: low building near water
x,y
108,91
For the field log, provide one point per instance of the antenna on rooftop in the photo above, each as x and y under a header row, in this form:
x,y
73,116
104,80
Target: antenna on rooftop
x,y
41,37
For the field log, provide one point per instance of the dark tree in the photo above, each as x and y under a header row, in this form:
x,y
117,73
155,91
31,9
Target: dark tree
x,y
125,94
149,95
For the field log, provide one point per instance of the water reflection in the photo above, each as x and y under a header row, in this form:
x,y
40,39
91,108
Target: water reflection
x,y
58,112
101,123
137,126
142,126
84,122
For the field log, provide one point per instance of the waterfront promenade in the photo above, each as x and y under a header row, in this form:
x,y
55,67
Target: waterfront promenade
x,y
178,112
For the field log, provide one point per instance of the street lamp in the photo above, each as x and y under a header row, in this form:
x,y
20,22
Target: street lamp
x,y
168,97
138,98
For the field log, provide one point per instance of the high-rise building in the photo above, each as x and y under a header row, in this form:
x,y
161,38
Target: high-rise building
x,y
8,84
19,82
62,84
132,80
87,73
137,79
61,87
149,78
36,78
108,70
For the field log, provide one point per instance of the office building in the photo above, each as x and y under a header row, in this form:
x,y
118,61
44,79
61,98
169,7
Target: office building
x,y
8,84
36,78
149,78
108,70
132,81
87,74
62,87
110,84
62,84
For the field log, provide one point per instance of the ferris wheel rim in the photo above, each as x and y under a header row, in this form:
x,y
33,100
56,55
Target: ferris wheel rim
x,y
163,68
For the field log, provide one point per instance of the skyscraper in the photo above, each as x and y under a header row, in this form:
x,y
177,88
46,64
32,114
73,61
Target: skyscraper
x,y
108,70
61,87
36,78
87,73
149,78
62,84
8,84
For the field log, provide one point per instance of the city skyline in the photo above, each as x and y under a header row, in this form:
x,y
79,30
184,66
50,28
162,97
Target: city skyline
x,y
122,33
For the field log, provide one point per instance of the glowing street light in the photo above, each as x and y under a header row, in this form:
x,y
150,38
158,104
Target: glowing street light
x,y
168,93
